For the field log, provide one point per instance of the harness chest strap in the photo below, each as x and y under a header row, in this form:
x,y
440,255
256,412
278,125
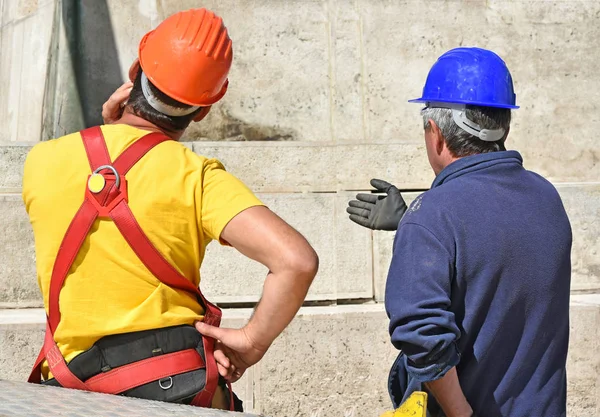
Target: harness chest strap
x,y
111,201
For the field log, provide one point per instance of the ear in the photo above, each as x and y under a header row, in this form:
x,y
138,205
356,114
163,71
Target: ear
x,y
203,113
439,141
134,69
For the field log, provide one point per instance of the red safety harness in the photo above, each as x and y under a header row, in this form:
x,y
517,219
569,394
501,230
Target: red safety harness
x,y
111,202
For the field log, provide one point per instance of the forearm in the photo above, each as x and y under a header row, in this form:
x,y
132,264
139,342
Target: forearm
x,y
449,395
283,295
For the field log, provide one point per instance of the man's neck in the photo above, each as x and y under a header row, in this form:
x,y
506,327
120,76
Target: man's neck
x,y
445,163
143,124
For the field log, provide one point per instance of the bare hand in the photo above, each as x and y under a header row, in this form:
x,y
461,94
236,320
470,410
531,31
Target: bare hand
x,y
113,108
234,350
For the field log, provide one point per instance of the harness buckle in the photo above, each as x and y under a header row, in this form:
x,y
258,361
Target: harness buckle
x,y
106,190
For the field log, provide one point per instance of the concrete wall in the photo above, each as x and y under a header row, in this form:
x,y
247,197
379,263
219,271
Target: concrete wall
x,y
316,107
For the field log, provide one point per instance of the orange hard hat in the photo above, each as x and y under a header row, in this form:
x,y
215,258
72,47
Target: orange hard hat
x,y
188,57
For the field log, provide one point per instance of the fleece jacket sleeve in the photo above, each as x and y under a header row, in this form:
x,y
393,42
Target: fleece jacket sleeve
x,y
417,301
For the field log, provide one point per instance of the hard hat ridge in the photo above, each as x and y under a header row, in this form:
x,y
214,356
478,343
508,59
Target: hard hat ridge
x,y
188,57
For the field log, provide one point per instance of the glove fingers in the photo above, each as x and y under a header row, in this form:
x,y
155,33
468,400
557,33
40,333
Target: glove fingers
x,y
381,185
369,198
361,204
358,212
360,220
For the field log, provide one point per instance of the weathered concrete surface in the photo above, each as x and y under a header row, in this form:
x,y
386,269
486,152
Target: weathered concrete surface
x,y
583,364
582,203
331,360
293,167
18,285
12,159
345,266
382,254
26,30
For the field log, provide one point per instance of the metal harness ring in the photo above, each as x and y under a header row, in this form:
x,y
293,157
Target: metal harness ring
x,y
117,177
170,383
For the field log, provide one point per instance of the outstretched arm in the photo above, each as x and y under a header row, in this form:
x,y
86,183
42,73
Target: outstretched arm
x,y
261,235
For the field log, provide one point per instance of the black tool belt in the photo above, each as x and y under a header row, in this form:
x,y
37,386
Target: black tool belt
x,y
111,352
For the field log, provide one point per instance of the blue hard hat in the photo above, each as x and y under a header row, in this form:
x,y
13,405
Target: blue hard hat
x,y
471,76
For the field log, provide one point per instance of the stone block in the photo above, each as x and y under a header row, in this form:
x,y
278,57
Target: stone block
x,y
12,159
293,167
347,73
26,29
21,337
582,203
399,47
18,285
583,363
382,254
331,361
344,252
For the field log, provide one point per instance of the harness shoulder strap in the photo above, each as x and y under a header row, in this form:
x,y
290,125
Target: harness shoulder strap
x,y
94,205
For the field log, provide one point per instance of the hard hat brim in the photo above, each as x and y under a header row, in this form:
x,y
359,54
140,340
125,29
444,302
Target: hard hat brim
x,y
465,102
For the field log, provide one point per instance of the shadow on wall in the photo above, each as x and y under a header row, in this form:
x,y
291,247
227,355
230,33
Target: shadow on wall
x,y
94,56
221,125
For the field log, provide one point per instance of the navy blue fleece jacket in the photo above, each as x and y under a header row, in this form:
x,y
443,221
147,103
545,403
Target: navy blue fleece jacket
x,y
480,280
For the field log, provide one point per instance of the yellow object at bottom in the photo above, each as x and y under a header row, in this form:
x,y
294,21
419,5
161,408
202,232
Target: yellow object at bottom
x,y
414,406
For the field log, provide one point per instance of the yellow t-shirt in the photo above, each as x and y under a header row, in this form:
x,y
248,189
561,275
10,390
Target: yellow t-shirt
x,y
181,200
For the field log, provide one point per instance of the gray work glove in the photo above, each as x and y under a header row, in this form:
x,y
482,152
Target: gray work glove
x,y
378,212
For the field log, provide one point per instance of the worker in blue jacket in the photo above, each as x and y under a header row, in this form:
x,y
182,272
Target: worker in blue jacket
x,y
478,287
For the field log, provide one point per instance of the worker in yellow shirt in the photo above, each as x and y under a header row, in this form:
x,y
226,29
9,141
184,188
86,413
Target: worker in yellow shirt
x,y
122,215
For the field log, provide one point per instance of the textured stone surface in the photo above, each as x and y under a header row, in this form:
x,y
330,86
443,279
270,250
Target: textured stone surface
x,y
382,254
18,286
12,158
329,362
583,364
293,167
582,203
25,38
345,253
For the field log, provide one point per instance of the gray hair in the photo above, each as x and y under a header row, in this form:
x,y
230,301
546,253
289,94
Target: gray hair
x,y
461,143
